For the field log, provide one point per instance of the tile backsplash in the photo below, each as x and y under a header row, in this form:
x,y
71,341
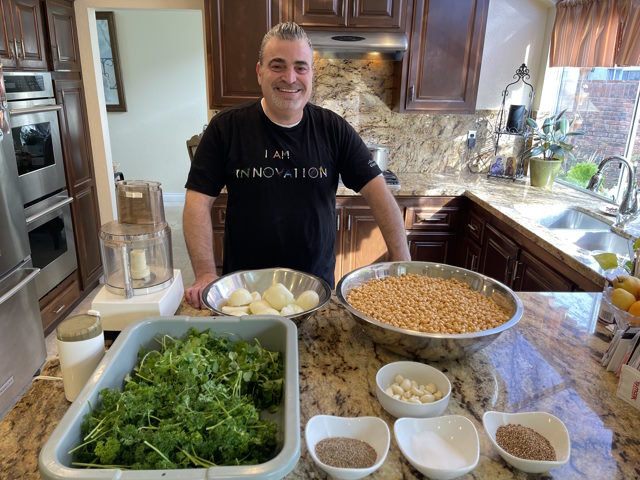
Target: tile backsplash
x,y
361,90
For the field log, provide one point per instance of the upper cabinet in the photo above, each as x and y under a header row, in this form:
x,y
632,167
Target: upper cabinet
x,y
379,14
233,41
22,42
62,35
440,71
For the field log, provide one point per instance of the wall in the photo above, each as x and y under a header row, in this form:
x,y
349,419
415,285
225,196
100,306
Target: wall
x,y
163,73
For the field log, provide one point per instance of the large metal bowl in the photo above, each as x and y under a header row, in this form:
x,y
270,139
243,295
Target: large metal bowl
x,y
429,346
216,293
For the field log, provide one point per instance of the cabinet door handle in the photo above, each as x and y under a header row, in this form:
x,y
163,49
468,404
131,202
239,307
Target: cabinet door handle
x,y
57,47
337,223
514,276
436,217
474,257
472,227
59,309
15,47
353,9
21,42
348,223
411,93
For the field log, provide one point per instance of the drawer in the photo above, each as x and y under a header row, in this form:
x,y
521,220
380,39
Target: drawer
x,y
219,212
475,227
431,218
60,301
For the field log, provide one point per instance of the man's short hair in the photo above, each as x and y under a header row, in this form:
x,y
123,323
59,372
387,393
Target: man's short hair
x,y
284,31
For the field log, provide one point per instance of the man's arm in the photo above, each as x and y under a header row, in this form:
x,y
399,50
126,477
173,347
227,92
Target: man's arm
x,y
198,235
388,217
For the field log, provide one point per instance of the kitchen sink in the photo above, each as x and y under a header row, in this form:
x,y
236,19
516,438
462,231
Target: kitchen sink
x,y
572,218
605,241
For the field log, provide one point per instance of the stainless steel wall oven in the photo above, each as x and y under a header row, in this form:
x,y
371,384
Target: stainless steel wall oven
x,y
38,156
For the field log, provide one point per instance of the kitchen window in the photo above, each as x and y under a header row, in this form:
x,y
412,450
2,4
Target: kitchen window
x,y
604,103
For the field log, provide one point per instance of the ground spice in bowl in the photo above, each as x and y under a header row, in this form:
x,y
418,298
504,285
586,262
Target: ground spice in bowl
x,y
524,442
343,452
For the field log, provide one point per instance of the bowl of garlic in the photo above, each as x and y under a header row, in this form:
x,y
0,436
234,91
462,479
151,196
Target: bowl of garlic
x,y
268,291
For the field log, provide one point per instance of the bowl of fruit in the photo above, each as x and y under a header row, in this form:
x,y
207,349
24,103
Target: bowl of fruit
x,y
623,300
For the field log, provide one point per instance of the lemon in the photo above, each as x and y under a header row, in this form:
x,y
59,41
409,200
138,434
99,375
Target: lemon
x,y
607,261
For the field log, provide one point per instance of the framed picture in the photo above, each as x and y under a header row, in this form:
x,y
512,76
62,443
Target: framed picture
x,y
110,61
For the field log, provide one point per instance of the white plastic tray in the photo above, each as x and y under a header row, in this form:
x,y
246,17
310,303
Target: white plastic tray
x,y
274,333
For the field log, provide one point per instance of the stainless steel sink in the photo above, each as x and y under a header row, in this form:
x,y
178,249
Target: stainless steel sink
x,y
572,218
606,241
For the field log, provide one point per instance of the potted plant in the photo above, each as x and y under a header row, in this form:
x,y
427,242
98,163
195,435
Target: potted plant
x,y
549,148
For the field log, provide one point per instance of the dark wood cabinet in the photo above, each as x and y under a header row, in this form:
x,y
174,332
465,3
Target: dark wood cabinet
x,y
233,38
472,252
23,36
378,14
57,304
363,241
432,247
440,72
80,179
499,255
218,216
62,35
531,275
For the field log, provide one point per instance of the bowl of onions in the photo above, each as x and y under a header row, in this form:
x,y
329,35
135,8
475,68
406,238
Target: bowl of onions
x,y
268,291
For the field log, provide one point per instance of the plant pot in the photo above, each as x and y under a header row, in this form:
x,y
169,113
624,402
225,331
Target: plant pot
x,y
543,172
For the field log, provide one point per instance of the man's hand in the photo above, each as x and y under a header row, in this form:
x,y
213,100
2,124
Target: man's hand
x,y
193,294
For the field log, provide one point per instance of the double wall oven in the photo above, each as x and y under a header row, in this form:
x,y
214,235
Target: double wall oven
x,y
41,178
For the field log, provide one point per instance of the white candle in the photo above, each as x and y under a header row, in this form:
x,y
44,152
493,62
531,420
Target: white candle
x,y
139,268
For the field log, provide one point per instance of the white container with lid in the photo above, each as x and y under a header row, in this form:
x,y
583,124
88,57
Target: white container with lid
x,y
80,347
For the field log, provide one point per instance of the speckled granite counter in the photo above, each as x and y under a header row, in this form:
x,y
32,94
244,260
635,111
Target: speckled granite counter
x,y
549,361
517,204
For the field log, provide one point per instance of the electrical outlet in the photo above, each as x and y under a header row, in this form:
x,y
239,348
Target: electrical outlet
x,y
471,138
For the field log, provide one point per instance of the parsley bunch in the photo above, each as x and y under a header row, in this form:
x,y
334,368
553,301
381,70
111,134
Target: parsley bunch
x,y
193,403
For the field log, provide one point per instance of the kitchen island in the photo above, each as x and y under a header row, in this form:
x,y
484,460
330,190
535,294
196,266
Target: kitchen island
x,y
549,361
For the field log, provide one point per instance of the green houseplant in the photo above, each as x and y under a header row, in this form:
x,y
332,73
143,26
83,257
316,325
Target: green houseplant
x,y
549,148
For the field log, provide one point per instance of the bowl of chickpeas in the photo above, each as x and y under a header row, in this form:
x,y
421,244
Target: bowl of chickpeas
x,y
430,311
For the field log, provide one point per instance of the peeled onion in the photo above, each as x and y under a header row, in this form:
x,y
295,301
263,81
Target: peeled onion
x,y
308,299
277,296
239,297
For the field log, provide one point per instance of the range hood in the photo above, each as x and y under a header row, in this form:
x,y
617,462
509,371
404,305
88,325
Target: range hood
x,y
341,44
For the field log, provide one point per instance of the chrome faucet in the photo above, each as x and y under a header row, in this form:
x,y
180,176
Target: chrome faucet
x,y
628,209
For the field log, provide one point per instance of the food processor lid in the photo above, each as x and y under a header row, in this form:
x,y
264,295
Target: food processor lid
x,y
80,327
129,232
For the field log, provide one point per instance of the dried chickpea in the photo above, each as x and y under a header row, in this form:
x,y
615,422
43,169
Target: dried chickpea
x,y
427,304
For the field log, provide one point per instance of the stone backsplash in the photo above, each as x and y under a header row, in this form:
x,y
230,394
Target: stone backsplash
x,y
361,91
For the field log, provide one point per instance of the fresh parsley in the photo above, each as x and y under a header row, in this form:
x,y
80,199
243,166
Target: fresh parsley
x,y
195,402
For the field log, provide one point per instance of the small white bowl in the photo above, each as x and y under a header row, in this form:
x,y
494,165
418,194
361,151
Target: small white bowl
x,y
372,430
440,448
421,373
545,424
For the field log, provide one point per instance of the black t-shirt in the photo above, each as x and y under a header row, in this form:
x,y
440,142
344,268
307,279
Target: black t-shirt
x,y
281,184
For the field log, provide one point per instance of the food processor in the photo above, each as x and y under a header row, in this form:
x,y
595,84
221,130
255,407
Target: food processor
x,y
139,279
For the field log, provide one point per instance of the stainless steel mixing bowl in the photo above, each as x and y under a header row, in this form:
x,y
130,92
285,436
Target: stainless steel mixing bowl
x,y
429,346
216,293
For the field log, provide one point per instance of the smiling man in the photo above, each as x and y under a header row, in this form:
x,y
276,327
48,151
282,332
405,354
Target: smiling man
x,y
280,158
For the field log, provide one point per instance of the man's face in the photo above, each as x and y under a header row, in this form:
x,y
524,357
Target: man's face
x,y
285,77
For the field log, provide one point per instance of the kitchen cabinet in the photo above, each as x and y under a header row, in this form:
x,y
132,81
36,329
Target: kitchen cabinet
x,y
233,39
440,72
432,225
59,302
497,250
218,215
80,179
62,35
22,35
379,14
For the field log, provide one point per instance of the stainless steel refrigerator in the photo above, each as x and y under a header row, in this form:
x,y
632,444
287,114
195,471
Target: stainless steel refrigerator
x,y
22,346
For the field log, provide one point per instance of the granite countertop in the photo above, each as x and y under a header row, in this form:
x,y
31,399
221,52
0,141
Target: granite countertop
x,y
549,361
517,204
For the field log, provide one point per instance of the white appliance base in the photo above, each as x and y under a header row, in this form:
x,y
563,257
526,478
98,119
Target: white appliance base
x,y
117,312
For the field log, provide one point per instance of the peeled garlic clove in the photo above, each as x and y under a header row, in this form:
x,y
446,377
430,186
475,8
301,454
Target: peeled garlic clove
x,y
255,296
258,307
239,297
277,296
236,311
291,309
308,299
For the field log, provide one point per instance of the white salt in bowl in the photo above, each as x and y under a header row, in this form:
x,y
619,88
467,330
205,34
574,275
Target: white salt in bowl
x,y
440,448
545,424
372,430
423,374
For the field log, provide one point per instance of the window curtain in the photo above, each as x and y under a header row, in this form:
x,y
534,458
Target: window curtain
x,y
585,33
628,53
